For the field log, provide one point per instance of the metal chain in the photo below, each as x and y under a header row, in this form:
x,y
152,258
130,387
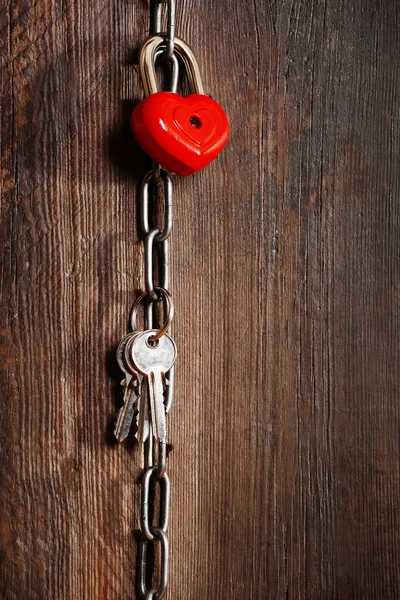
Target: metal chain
x,y
155,455
156,23
157,183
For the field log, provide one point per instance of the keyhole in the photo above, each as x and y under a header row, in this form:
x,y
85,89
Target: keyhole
x,y
151,342
195,122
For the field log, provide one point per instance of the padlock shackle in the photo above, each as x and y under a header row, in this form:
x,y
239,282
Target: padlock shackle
x,y
147,69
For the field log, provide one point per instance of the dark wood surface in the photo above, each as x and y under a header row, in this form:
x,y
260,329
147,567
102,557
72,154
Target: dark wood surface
x,y
285,257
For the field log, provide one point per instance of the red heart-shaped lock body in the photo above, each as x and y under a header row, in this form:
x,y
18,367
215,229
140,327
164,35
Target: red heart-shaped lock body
x,y
183,134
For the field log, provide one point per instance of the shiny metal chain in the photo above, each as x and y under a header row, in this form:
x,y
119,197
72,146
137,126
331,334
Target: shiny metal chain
x,y
156,185
156,23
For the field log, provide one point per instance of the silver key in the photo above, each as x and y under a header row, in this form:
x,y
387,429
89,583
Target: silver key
x,y
142,414
142,403
132,387
153,361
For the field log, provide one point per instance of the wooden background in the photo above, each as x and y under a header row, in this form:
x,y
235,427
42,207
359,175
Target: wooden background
x,y
286,275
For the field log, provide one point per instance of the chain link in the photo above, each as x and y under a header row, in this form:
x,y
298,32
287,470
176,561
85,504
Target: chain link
x,y
161,539
154,177
151,476
156,23
148,263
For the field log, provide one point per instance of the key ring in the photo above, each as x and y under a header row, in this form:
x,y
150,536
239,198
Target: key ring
x,y
168,304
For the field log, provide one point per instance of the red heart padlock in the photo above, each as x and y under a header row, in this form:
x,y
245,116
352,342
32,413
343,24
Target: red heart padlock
x,y
183,134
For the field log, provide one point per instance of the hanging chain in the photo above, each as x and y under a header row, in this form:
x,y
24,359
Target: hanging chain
x,y
157,184
183,140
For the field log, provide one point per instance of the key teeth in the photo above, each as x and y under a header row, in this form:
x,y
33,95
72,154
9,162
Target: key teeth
x,y
137,415
135,419
126,413
166,386
142,431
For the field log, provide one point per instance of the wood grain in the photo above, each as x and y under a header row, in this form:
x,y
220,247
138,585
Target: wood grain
x,y
286,275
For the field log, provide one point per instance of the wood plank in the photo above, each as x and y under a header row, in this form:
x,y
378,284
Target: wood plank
x,y
285,429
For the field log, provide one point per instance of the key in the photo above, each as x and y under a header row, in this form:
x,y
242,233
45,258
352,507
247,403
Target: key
x,y
142,415
141,404
169,390
132,386
131,391
153,361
